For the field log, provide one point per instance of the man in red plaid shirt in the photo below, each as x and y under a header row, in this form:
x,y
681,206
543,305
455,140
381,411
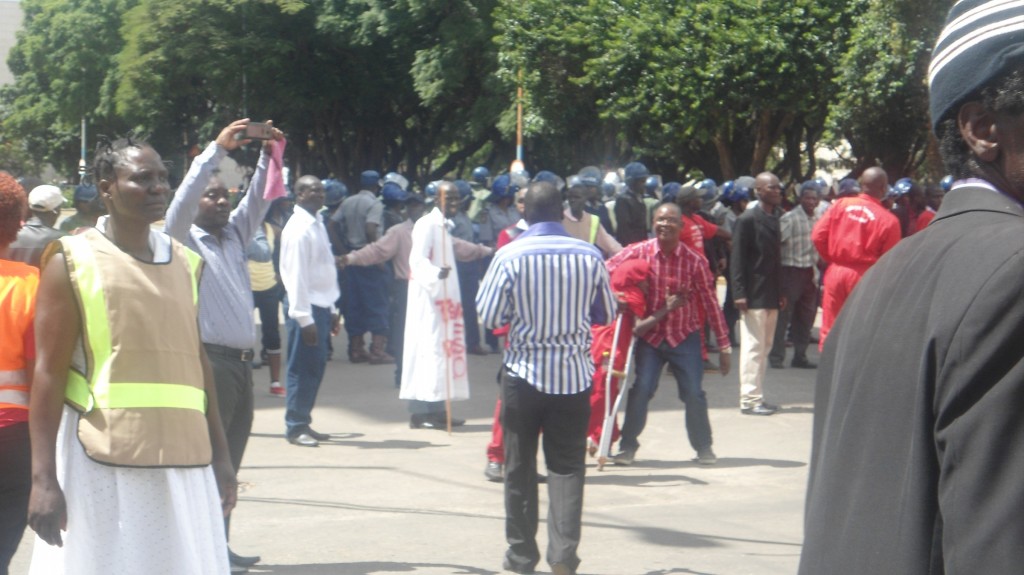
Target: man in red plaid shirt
x,y
678,274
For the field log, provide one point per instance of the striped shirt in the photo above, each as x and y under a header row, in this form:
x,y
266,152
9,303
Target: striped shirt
x,y
550,288
797,248
225,292
681,270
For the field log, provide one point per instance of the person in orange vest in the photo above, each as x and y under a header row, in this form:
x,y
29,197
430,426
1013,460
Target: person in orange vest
x,y
18,283
850,237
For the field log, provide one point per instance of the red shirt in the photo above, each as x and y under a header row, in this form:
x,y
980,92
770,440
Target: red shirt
x,y
922,220
855,232
694,231
682,269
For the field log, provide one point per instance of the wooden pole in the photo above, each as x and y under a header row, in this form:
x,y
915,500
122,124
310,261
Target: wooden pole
x,y
441,193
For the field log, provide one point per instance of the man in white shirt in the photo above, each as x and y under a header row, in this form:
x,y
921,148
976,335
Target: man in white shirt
x,y
307,271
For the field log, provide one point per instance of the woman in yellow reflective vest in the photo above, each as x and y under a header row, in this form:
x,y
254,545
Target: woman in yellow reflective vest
x,y
18,283
130,468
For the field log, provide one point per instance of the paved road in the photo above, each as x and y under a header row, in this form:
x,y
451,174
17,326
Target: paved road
x,y
385,499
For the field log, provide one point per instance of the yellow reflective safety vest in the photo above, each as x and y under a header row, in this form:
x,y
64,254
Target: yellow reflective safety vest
x,y
141,396
18,285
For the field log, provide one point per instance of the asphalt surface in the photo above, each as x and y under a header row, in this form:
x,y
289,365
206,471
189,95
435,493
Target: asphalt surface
x,y
381,498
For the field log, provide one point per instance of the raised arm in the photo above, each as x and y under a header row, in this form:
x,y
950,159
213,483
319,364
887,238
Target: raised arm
x,y
185,204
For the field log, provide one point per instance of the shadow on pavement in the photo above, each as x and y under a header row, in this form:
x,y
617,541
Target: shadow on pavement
x,y
368,568
723,463
604,478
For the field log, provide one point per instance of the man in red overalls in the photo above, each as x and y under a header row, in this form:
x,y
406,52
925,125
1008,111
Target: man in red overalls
x,y
850,237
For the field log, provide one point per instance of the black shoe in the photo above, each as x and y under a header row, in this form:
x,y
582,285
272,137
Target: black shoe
x,y
303,439
421,421
494,472
242,560
776,364
803,363
763,409
317,435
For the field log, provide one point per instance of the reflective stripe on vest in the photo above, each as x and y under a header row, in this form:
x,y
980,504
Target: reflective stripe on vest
x,y
13,377
96,327
15,396
595,223
13,389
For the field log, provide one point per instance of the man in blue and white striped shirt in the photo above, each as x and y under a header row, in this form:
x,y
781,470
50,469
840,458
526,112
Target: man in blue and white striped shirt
x,y
549,288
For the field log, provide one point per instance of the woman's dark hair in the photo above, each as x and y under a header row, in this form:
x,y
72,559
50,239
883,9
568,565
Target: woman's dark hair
x,y
1002,95
13,202
111,153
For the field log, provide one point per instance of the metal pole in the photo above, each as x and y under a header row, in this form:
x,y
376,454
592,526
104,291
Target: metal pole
x,y
81,161
519,118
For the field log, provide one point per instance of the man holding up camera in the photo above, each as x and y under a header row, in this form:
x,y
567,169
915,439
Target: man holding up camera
x,y
200,216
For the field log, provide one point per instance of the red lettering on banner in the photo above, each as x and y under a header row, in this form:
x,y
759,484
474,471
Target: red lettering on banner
x,y
455,346
450,310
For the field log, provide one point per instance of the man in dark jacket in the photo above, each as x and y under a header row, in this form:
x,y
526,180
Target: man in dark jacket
x,y
44,204
756,268
918,448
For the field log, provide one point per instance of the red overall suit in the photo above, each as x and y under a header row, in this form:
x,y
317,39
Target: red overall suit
x,y
850,237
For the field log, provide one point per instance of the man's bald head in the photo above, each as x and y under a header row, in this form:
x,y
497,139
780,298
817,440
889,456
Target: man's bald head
x,y
874,182
543,203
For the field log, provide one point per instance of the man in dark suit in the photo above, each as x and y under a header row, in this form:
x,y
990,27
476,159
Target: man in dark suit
x,y
918,449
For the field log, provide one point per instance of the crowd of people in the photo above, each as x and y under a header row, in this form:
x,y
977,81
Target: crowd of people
x,y
567,280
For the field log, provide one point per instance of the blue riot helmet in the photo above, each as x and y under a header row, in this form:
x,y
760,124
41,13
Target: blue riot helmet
x,y
635,171
334,192
708,188
743,189
607,190
392,192
396,178
902,187
431,190
727,188
590,176
669,192
502,187
550,177
823,186
946,184
651,185
465,190
481,175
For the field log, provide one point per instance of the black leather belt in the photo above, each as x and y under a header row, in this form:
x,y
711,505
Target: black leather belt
x,y
229,352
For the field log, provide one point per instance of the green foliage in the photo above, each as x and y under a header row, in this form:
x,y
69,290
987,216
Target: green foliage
x,y
881,106
64,71
428,87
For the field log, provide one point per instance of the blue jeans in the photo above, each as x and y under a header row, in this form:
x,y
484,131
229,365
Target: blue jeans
x,y
306,365
688,369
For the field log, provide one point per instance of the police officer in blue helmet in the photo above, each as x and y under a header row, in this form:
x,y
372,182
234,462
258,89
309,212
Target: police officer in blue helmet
x,y
87,206
394,198
630,209
480,177
357,223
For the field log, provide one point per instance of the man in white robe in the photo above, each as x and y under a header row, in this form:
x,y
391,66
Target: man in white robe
x,y
434,366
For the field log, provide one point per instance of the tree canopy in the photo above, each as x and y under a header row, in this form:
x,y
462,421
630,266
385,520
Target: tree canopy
x,y
715,88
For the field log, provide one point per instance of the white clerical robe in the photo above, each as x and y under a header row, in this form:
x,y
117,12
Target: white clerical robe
x,y
434,366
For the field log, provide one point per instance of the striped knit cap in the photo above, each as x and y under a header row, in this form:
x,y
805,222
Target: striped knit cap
x,y
980,41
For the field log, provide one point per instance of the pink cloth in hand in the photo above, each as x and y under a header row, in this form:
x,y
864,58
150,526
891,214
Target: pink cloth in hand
x,y
275,172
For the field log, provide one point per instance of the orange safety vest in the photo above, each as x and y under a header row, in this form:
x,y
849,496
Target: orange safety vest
x,y
18,285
